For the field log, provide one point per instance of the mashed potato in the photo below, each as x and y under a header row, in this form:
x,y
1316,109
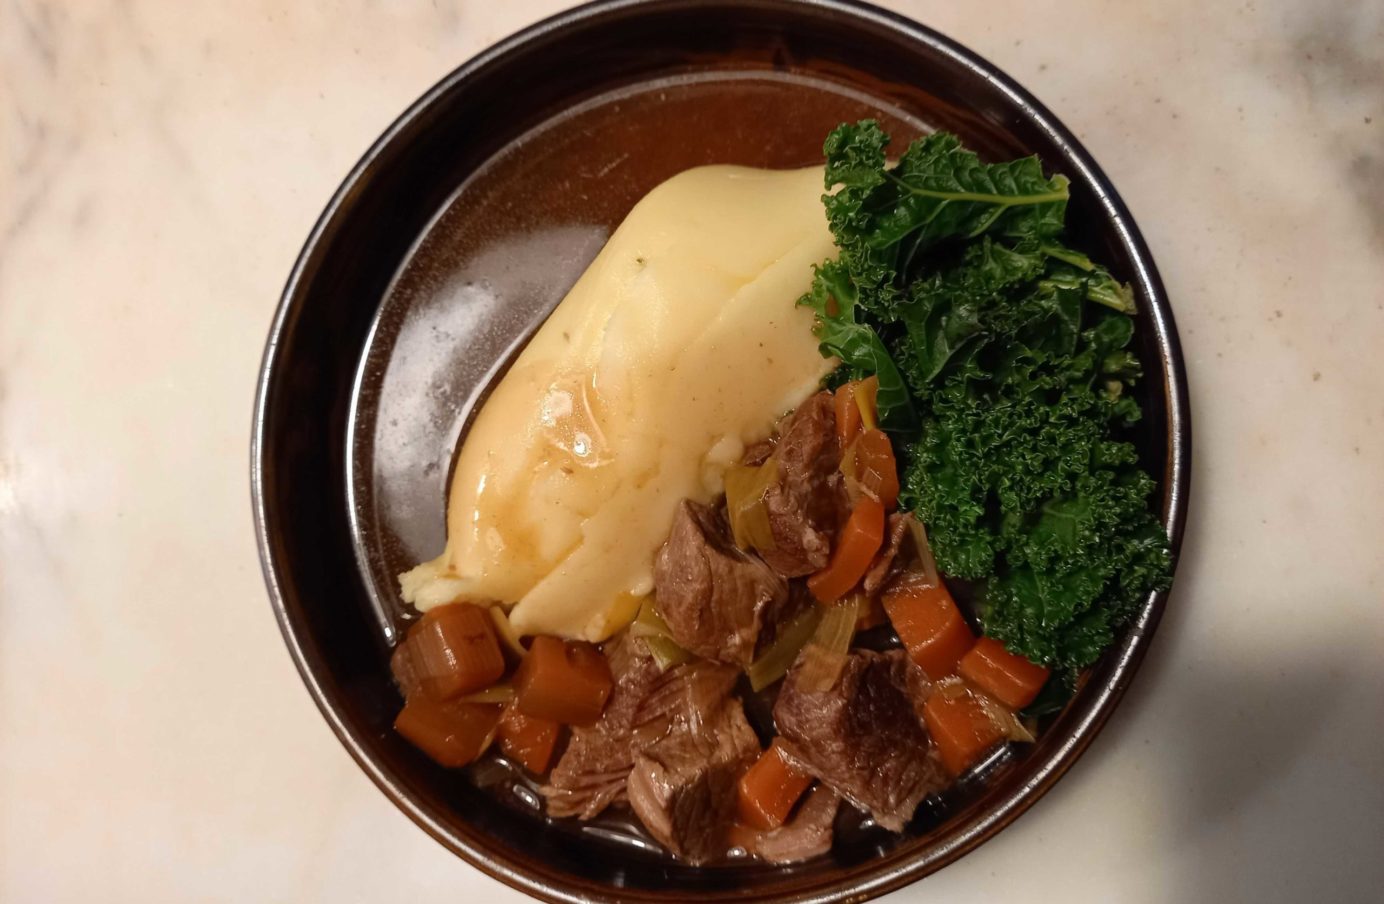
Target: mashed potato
x,y
680,345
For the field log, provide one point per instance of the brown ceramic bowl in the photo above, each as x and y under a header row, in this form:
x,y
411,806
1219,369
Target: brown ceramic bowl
x,y
444,249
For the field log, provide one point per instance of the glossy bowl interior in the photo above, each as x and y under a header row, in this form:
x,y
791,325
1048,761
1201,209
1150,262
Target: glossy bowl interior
x,y
443,251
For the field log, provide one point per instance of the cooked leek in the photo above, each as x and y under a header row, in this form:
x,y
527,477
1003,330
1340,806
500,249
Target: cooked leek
x,y
496,693
652,631
775,662
649,623
749,519
665,651
825,654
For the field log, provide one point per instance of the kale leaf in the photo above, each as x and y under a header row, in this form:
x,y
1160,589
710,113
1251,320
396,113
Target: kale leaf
x,y
1004,367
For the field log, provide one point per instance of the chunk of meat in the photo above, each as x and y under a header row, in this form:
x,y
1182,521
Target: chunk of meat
x,y
883,565
862,737
716,599
804,507
591,773
806,835
644,707
683,787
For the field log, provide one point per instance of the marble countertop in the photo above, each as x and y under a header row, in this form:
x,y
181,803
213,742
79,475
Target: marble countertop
x,y
160,166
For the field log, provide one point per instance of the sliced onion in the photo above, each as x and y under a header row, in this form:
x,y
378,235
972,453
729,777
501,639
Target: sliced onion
x,y
775,662
866,394
927,565
824,656
496,693
1004,717
850,470
505,631
1015,730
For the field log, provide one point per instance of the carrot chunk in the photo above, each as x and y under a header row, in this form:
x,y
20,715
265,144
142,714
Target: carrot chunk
x,y
453,734
563,681
855,549
528,740
930,626
847,414
1008,677
767,792
876,468
961,727
454,651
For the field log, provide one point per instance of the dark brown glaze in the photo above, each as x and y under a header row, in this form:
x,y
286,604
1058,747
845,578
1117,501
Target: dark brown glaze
x,y
446,246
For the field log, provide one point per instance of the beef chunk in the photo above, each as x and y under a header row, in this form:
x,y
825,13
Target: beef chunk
x,y
862,737
683,787
715,598
883,565
644,707
804,508
807,834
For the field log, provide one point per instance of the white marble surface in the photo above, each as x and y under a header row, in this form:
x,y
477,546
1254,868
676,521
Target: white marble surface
x,y
160,165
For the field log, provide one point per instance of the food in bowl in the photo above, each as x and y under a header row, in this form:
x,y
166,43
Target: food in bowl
x,y
796,508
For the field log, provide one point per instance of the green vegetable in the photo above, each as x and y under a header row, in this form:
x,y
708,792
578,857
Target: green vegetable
x,y
775,662
858,346
652,631
1012,352
746,487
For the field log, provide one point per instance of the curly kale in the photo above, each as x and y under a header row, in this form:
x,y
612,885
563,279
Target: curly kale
x,y
1004,368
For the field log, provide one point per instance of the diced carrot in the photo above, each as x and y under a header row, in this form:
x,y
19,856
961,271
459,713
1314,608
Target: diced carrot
x,y
768,791
931,627
866,399
452,733
1008,677
563,681
855,549
961,728
454,651
847,414
527,739
406,677
876,468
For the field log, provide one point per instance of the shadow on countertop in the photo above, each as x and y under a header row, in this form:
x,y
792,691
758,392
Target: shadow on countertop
x,y
1266,742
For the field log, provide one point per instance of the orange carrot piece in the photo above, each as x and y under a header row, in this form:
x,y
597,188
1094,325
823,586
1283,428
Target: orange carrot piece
x,y
453,734
961,728
563,681
1008,677
930,626
767,792
401,664
847,414
876,468
855,549
528,740
454,651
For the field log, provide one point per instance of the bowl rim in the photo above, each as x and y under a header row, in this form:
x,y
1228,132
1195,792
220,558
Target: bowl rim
x,y
1126,655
